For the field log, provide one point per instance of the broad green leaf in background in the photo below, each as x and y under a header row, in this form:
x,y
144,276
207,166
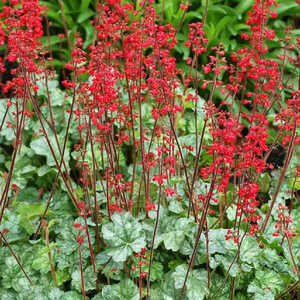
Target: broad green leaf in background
x,y
271,259
264,182
41,261
41,147
125,290
55,93
175,206
124,236
7,295
85,15
287,7
109,267
7,132
217,242
156,271
295,243
12,223
98,156
224,293
89,279
175,233
226,261
39,292
27,212
196,286
243,7
28,195
30,210
165,289
266,284
249,251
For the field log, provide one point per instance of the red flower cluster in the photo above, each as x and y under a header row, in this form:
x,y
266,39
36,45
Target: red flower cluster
x,y
21,29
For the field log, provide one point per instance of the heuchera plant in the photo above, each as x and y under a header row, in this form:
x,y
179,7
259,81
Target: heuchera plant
x,y
165,160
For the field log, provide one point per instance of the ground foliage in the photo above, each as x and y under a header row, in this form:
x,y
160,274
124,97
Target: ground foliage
x,y
129,174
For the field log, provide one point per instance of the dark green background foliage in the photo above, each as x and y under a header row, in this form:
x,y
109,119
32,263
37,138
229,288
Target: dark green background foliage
x,y
259,273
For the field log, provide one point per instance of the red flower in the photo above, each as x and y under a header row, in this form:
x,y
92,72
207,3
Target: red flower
x,y
79,239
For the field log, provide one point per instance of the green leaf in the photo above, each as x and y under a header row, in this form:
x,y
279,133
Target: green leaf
x,y
84,4
260,294
221,24
271,259
7,132
56,95
239,27
55,16
89,34
175,207
39,292
27,225
89,279
174,237
22,163
217,9
196,286
63,206
125,290
217,243
54,39
124,236
41,147
264,182
225,261
13,277
85,15
30,210
188,245
192,15
109,267
243,7
98,156
29,194
43,170
287,7
169,11
66,257
71,295
295,250
12,223
249,251
266,284
55,294
156,271
148,226
165,289
62,276
41,261
224,293
294,183
7,295
72,5
231,213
